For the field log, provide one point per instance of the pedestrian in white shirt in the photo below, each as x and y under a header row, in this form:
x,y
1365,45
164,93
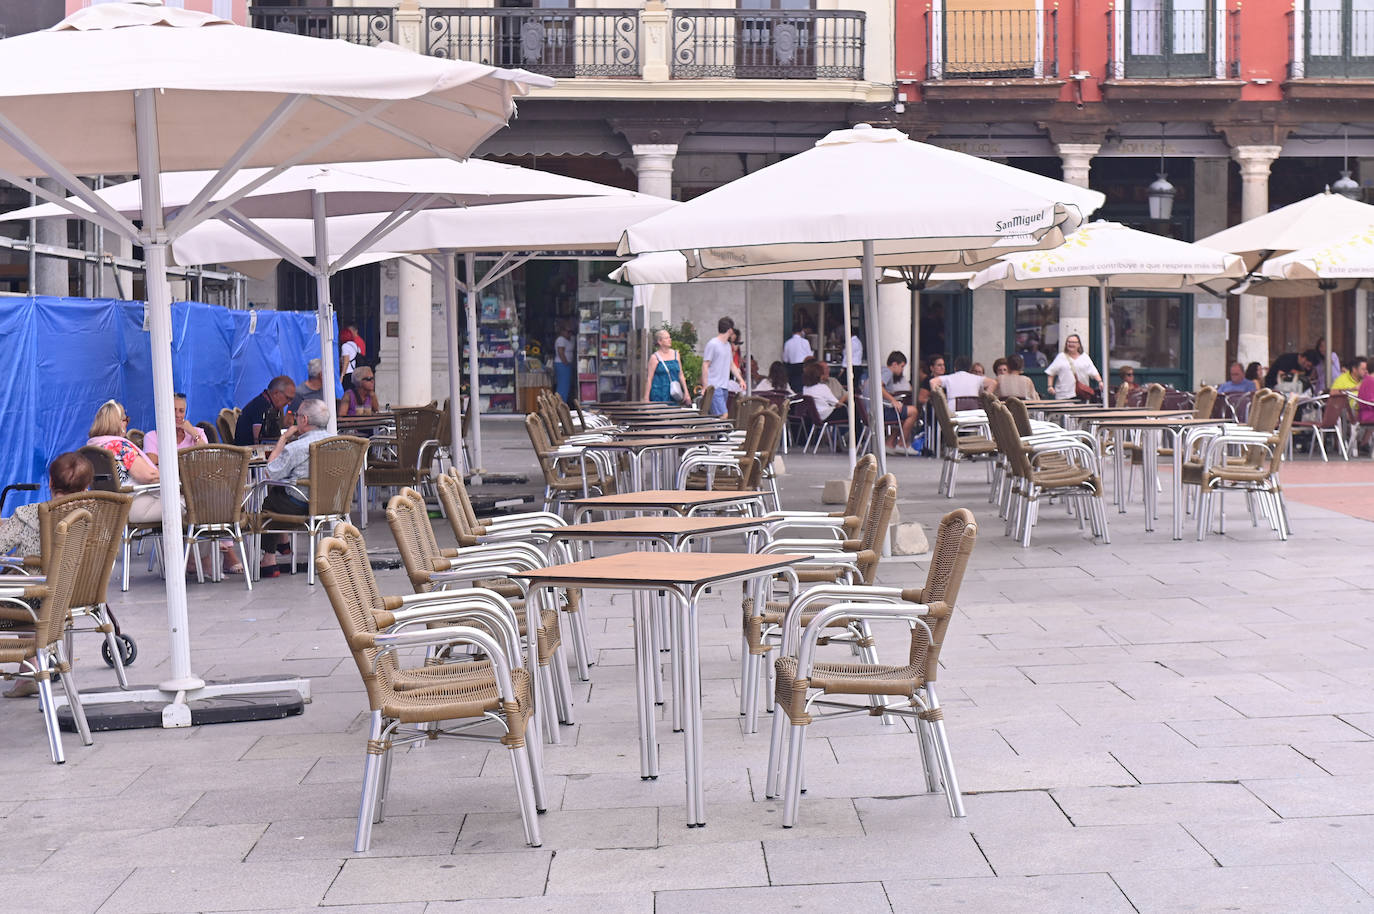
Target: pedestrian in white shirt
x,y
795,351
1071,368
961,382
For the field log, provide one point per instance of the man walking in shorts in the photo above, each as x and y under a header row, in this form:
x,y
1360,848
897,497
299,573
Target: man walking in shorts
x,y
718,364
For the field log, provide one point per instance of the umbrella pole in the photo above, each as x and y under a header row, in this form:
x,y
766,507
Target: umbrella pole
x,y
447,267
1327,375
875,379
1104,307
849,369
748,352
328,374
474,386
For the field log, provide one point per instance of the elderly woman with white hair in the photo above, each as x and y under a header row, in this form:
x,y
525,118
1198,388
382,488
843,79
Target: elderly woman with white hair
x,y
289,461
312,388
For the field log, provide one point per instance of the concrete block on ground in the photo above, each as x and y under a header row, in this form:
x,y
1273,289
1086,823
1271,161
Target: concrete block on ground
x,y
909,539
836,492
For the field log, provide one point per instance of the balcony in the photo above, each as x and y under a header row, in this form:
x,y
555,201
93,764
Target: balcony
x,y
358,24
1333,54
977,54
767,44
1164,50
555,42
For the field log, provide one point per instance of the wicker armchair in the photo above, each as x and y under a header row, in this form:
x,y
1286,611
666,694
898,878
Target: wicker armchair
x,y
335,465
227,422
431,569
1047,466
449,699
955,447
852,562
565,476
1255,471
410,451
214,479
41,650
1204,401
808,689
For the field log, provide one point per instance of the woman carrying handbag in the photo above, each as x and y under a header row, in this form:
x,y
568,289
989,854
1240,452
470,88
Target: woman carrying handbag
x,y
665,382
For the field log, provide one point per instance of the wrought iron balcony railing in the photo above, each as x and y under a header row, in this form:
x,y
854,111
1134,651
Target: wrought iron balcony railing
x,y
992,44
555,42
358,24
1157,40
768,44
1337,43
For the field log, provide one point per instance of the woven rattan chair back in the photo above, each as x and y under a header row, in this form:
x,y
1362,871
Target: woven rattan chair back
x,y
103,463
707,395
1004,435
1020,415
136,436
861,486
213,480
875,526
1204,402
954,542
1123,395
453,498
539,440
414,426
227,423
343,567
335,465
69,541
109,513
408,519
746,408
940,404
1154,396
770,436
1279,442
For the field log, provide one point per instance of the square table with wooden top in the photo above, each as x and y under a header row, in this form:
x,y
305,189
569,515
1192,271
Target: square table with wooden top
x,y
668,501
1152,429
683,577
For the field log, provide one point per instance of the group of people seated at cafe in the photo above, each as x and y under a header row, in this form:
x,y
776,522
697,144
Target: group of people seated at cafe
x,y
267,414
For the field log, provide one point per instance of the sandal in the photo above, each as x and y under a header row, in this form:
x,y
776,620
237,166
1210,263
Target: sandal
x,y
233,565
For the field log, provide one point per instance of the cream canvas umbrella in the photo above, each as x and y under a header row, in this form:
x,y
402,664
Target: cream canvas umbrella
x,y
382,195
1106,256
867,198
1339,264
135,87
514,231
1312,221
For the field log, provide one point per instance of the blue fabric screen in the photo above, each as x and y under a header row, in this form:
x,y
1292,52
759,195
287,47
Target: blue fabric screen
x,y
66,356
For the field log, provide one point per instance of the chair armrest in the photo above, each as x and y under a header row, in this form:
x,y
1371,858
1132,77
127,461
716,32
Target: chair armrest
x,y
911,613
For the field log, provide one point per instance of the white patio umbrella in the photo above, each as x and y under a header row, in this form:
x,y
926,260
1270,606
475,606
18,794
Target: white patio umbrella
x,y
384,195
1106,256
516,231
134,87
1313,221
866,198
1339,264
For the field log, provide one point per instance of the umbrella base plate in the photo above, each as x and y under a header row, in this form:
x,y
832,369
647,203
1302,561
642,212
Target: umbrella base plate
x,y
221,709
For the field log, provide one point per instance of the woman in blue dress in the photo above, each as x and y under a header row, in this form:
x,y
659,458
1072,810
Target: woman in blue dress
x,y
664,368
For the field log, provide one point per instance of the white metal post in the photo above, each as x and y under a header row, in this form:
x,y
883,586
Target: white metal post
x,y
328,375
474,386
875,379
875,434
447,267
1104,307
159,307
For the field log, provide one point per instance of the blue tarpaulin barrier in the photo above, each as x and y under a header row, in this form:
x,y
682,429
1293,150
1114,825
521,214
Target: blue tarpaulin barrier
x,y
66,356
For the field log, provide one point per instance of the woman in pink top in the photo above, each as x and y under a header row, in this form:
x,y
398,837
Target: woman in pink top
x,y
187,434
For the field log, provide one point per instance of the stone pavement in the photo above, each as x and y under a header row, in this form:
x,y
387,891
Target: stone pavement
x,y
1146,726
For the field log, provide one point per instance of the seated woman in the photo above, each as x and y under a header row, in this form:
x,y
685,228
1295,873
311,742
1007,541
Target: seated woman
x,y
187,434
814,386
361,400
67,474
1014,383
134,467
776,380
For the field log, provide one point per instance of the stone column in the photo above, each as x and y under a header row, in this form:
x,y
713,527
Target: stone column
x,y
1252,336
894,323
50,273
1073,303
654,167
416,335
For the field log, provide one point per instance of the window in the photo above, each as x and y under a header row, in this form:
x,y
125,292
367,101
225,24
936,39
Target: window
x,y
772,43
1146,331
1034,329
1340,37
990,39
1169,38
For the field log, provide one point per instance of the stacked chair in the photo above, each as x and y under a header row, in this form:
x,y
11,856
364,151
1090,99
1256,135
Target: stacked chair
x,y
452,694
1041,466
808,688
1204,402
405,458
748,466
432,569
848,562
565,474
